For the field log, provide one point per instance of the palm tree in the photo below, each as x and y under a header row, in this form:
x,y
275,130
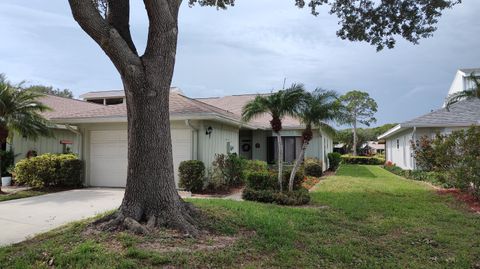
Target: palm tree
x,y
20,112
471,93
278,105
317,108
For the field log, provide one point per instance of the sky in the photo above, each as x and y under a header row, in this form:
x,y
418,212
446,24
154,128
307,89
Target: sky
x,y
250,48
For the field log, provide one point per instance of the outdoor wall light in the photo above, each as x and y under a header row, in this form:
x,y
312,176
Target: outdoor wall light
x,y
209,131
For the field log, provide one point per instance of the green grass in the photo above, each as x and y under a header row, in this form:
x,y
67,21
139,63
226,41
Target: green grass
x,y
364,217
22,194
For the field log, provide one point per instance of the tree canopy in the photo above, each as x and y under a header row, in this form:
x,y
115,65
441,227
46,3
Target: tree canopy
x,y
66,93
378,23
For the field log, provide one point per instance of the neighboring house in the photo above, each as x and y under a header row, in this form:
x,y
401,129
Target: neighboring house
x,y
340,148
200,129
65,138
372,148
463,80
398,140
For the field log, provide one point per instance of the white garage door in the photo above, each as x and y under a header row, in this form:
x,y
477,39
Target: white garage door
x,y
108,155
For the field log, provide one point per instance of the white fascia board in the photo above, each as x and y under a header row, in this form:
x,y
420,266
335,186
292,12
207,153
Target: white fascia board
x,y
206,116
390,132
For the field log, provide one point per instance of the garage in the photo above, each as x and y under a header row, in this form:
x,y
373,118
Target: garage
x,y
108,155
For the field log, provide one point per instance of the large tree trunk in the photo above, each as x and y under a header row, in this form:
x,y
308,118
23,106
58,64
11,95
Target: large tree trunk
x,y
280,160
150,194
355,138
298,161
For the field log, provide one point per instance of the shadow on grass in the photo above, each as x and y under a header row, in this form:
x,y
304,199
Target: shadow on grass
x,y
355,171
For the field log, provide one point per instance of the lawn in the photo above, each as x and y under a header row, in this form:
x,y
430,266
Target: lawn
x,y
22,194
363,217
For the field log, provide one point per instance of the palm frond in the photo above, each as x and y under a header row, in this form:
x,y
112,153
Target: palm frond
x,y
327,129
471,93
20,111
255,108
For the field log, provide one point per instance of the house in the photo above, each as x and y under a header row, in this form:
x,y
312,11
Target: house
x,y
96,130
461,115
371,148
463,81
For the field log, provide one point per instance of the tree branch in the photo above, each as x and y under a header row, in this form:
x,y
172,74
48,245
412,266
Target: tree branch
x,y
106,36
163,18
118,16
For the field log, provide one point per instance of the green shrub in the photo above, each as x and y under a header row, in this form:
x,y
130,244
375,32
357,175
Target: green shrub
x,y
348,159
297,180
312,167
255,166
334,159
50,170
229,169
297,197
192,174
262,180
6,158
436,178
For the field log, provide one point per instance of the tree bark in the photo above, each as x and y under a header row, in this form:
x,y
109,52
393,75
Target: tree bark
x,y
150,194
280,160
298,161
355,138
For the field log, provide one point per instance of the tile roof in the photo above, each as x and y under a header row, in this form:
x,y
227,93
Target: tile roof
x,y
235,104
468,71
64,106
179,105
463,113
103,94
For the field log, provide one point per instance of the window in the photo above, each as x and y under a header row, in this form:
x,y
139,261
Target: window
x,y
398,143
291,147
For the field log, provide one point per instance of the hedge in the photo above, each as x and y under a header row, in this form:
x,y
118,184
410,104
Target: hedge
x,y
297,197
50,170
313,167
348,159
435,178
334,158
192,175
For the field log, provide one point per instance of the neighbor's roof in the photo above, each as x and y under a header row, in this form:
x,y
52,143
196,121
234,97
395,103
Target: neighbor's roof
x,y
462,114
62,106
235,104
103,94
114,94
468,71
181,107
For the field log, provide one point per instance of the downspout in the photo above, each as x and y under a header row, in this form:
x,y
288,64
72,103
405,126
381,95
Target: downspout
x,y
194,139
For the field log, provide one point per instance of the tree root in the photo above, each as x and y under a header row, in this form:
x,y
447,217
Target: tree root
x,y
184,219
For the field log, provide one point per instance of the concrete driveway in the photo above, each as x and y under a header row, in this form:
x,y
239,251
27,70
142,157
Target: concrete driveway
x,y
23,218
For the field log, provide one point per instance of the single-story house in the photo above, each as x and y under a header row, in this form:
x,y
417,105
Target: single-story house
x,y
372,148
461,115
96,130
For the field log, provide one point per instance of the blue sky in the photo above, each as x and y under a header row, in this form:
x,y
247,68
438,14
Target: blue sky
x,y
247,49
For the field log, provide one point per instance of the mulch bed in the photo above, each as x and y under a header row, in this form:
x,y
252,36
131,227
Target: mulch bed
x,y
467,198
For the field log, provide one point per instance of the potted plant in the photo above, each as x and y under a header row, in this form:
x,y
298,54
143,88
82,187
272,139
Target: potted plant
x,y
7,177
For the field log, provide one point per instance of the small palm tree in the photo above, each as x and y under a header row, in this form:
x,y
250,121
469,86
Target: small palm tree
x,y
278,105
471,93
317,108
20,112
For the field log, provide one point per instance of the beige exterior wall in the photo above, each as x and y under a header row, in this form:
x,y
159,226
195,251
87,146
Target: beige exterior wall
x,y
398,148
43,145
216,143
320,145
